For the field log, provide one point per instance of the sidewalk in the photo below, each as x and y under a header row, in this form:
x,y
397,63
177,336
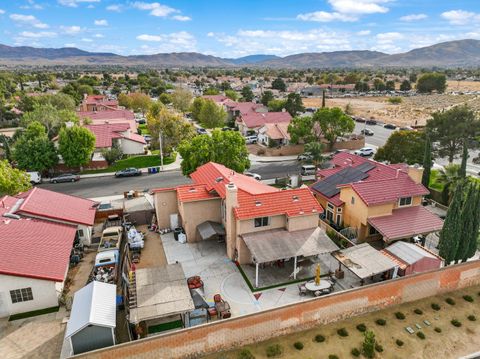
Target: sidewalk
x,y
255,158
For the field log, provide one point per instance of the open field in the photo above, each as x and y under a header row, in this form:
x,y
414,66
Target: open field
x,y
413,110
463,85
452,342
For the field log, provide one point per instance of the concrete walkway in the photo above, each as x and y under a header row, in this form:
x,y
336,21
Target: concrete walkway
x,y
255,158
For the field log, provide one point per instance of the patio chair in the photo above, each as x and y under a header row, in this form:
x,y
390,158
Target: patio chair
x,y
217,298
302,289
317,293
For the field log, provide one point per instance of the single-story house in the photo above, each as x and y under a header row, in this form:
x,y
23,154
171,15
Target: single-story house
x,y
274,133
112,117
93,318
253,121
34,259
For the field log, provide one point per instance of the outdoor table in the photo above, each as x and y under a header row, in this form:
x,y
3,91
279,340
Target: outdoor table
x,y
311,286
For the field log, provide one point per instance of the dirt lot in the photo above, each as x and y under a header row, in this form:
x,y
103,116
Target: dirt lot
x,y
450,343
463,85
413,110
153,254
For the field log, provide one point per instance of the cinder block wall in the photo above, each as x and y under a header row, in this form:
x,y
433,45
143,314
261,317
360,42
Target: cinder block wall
x,y
188,343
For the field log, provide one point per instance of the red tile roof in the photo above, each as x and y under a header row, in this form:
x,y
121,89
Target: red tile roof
x,y
190,193
406,222
218,99
32,247
105,133
258,119
46,204
277,131
244,107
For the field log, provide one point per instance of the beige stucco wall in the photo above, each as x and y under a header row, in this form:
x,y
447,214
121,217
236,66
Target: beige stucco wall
x,y
130,147
302,222
244,255
197,212
165,205
248,225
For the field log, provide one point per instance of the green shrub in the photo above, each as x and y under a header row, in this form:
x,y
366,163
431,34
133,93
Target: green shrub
x,y
472,318
381,322
333,356
298,345
378,347
399,342
274,350
435,306
418,311
245,354
399,315
468,298
319,338
355,352
456,323
450,301
421,335
395,100
361,327
342,332
368,345
438,330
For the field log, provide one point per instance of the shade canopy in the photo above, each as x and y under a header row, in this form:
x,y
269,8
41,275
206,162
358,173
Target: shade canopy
x,y
209,229
277,244
364,261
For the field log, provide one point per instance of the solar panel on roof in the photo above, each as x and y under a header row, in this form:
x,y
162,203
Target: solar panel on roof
x,y
366,166
328,187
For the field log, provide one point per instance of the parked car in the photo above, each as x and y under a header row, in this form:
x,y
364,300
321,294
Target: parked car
x,y
254,175
147,138
365,152
371,122
367,132
140,121
406,128
202,131
359,119
251,139
308,170
65,177
389,126
35,177
304,156
128,172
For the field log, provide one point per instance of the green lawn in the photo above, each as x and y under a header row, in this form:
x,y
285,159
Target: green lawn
x,y
136,161
143,128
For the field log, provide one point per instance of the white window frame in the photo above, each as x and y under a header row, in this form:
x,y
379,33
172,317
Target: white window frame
x,y
405,204
264,222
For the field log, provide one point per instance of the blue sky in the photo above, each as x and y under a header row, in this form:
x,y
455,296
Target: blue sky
x,y
237,28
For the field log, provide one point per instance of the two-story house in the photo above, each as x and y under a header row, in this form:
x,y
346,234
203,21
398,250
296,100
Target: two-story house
x,y
96,103
375,200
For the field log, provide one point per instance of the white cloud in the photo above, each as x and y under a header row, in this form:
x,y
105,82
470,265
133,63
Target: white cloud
x,y
156,9
389,37
323,16
176,41
461,17
75,3
86,39
70,44
2,11
38,35
32,5
211,34
364,32
71,30
28,20
359,7
101,22
98,36
413,17
181,18
115,8
146,37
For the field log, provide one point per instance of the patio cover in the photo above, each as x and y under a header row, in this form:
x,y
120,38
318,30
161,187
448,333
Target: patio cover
x,y
161,292
364,261
210,229
276,244
406,222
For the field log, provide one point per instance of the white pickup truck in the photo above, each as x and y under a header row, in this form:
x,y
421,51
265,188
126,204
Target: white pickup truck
x,y
106,266
111,238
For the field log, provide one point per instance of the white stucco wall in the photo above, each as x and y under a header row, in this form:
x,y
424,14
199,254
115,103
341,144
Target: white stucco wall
x,y
131,147
86,239
44,292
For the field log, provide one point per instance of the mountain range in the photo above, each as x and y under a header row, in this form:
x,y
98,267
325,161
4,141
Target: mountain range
x,y
459,53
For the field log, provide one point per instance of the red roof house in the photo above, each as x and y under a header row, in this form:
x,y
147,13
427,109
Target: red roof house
x,y
252,121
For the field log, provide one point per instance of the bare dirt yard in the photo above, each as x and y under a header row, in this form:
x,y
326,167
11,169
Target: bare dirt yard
x,y
463,85
442,338
414,110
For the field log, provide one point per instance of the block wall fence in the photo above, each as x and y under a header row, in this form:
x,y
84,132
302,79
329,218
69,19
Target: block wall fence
x,y
239,331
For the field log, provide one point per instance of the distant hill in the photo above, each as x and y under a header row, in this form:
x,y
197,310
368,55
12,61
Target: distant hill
x,y
460,53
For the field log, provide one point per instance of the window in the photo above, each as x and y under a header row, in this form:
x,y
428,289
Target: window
x,y
21,295
372,231
339,210
339,219
261,222
329,205
405,201
80,233
352,201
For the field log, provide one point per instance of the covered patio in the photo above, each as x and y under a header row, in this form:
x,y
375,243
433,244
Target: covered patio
x,y
365,262
211,230
279,246
406,223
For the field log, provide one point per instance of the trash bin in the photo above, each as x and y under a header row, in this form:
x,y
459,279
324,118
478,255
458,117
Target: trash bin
x,y
176,232
158,169
154,170
149,170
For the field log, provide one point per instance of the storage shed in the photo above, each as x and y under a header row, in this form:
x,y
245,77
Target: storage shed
x,y
93,318
412,258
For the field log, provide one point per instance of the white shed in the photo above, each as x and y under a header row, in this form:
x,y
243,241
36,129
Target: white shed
x,y
93,318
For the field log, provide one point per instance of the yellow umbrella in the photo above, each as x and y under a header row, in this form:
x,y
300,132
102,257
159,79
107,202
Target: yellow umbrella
x,y
317,274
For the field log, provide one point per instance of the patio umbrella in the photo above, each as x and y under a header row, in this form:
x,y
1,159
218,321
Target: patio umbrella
x,y
317,274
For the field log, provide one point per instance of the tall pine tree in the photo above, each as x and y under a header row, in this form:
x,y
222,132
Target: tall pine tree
x,y
468,232
463,167
474,202
452,227
427,162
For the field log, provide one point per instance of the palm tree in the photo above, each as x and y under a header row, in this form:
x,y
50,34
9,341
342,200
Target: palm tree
x,y
315,149
449,178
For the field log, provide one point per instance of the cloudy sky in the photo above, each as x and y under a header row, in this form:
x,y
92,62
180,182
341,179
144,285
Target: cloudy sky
x,y
237,28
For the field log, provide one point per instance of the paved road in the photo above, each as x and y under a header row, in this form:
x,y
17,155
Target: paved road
x,y
109,186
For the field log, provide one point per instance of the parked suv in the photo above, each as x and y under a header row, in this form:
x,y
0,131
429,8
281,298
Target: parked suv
x,y
365,152
128,172
35,177
251,139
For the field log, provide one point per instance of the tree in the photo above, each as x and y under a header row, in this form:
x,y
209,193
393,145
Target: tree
x,y
165,98
211,91
173,128
76,145
405,86
231,94
211,115
379,85
34,151
112,154
224,147
5,143
197,107
429,82
368,345
60,101
470,224
266,97
276,105
315,149
449,130
50,117
413,77
362,86
136,101
181,99
323,99
449,177
462,172
452,227
390,85
279,84
247,94
12,181
333,123
427,162
403,147
294,104
300,129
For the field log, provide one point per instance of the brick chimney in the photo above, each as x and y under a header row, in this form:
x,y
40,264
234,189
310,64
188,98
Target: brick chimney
x,y
231,202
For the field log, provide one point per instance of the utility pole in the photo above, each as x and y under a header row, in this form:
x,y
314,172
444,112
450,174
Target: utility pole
x,y
161,150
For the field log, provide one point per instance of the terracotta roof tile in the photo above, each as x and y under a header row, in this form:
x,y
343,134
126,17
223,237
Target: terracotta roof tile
x,y
258,119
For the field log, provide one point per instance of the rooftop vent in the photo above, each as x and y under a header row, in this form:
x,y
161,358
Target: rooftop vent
x,y
258,203
301,212
219,179
295,198
192,189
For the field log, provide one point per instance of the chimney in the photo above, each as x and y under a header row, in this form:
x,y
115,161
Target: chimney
x,y
398,172
230,222
415,172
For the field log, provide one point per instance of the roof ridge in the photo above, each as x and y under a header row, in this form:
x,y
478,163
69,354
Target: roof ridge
x,y
25,200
